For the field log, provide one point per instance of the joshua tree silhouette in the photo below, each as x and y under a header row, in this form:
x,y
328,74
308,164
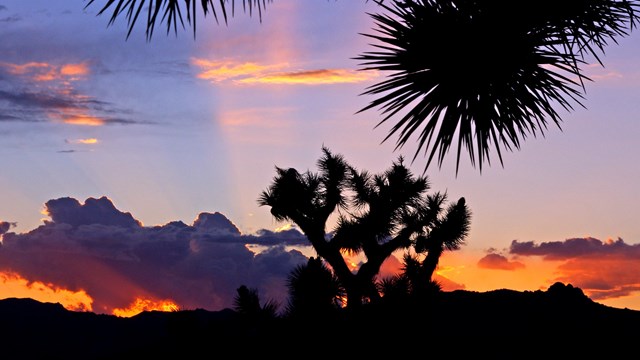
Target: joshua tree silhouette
x,y
376,215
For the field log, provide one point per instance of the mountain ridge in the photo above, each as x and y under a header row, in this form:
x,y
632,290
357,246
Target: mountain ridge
x,y
33,329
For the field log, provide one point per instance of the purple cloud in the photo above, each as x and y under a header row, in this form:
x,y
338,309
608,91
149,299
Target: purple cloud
x,y
215,222
266,237
499,262
95,247
576,247
93,212
5,226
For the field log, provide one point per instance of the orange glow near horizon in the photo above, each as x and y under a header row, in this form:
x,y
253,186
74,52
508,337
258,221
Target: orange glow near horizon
x,y
13,285
462,268
141,304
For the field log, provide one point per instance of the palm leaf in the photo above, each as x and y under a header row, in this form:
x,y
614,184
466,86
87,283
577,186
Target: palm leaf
x,y
486,74
172,11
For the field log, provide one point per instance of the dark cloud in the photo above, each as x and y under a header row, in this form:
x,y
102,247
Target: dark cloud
x,y
2,7
95,247
30,99
499,262
289,237
5,117
171,68
10,19
576,247
57,98
602,269
100,211
121,121
215,222
59,103
5,226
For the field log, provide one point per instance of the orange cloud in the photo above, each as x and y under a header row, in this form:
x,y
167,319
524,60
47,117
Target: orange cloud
x,y
223,70
88,141
254,73
55,93
22,69
606,277
74,69
311,77
604,270
13,285
41,71
84,120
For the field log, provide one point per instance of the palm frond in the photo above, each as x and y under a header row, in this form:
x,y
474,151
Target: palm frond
x,y
486,74
172,12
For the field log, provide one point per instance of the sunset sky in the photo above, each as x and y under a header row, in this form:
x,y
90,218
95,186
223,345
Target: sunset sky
x,y
132,169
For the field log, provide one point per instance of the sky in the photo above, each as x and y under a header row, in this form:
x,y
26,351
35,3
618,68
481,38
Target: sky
x,y
132,168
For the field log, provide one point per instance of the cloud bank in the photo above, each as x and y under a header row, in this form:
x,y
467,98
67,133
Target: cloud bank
x,y
96,249
602,269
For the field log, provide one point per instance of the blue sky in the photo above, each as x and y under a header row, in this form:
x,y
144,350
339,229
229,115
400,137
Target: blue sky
x,y
176,127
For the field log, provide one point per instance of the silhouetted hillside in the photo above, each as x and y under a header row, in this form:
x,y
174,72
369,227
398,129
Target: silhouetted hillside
x,y
561,316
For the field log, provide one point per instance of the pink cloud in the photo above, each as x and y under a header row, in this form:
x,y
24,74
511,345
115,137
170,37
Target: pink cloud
x,y
499,262
602,269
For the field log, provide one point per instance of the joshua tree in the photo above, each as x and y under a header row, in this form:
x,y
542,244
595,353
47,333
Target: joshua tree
x,y
376,215
416,282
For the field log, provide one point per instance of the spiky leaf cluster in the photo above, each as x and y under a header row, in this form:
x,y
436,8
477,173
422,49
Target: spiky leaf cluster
x,y
485,74
171,12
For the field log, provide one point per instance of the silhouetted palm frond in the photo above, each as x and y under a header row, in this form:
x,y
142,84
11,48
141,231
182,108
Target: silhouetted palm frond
x,y
172,11
488,73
